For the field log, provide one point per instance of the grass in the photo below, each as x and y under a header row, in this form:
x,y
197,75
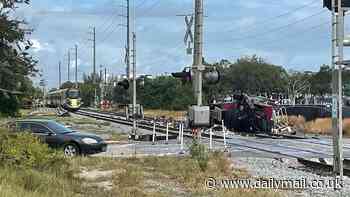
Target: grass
x,y
24,112
176,115
169,176
131,177
119,137
34,183
44,173
320,126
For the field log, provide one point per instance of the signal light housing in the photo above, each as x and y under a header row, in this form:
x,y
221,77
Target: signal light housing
x,y
125,84
185,75
212,76
328,4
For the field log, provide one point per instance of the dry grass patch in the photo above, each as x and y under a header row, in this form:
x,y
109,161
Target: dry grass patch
x,y
176,115
118,137
320,126
24,112
170,176
101,177
296,121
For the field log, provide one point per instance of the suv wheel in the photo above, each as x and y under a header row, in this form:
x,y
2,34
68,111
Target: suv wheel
x,y
71,150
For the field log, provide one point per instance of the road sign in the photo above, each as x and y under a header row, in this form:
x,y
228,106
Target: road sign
x,y
189,23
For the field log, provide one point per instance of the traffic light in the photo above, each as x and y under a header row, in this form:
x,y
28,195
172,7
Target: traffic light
x,y
328,4
125,84
185,75
212,76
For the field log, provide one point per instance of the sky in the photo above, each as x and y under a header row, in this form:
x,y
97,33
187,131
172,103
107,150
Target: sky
x,y
293,34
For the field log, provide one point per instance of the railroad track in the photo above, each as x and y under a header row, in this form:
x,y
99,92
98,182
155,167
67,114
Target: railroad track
x,y
144,123
305,155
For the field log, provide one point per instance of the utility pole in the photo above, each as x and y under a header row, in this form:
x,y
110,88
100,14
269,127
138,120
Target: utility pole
x,y
94,53
94,80
127,47
105,76
59,75
198,50
335,90
336,6
101,83
68,68
340,37
76,66
128,39
105,83
134,83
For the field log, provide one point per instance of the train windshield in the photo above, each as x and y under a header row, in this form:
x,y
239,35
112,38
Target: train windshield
x,y
73,94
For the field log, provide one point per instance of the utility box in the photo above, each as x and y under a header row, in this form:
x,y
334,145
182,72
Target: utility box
x,y
129,111
199,116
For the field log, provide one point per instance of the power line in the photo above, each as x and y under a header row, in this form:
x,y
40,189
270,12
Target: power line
x,y
287,36
110,19
279,16
281,27
110,33
271,43
107,30
150,7
170,52
141,4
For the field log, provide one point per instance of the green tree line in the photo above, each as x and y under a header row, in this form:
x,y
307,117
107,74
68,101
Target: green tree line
x,y
16,64
252,75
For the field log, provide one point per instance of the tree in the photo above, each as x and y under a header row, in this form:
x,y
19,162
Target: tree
x,y
67,85
15,62
87,89
298,83
165,93
253,75
321,81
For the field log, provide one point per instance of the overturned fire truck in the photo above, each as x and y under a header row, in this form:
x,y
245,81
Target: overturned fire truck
x,y
244,114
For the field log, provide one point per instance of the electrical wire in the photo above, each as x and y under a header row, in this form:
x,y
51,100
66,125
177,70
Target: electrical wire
x,y
288,36
269,20
281,27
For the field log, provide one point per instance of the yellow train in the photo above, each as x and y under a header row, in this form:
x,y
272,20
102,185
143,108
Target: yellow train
x,y
69,99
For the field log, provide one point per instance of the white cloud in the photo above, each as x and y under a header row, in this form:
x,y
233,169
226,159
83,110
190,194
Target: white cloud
x,y
36,45
61,23
39,46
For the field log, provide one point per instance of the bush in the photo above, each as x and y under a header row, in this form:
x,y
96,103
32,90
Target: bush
x,y
200,153
9,105
23,150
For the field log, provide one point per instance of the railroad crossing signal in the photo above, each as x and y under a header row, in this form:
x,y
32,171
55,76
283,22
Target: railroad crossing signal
x,y
211,75
125,84
189,34
185,75
189,24
328,4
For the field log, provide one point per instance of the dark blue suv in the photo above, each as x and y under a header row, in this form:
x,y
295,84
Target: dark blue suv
x,y
57,135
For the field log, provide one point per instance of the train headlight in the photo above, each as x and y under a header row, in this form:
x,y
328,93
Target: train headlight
x,y
89,140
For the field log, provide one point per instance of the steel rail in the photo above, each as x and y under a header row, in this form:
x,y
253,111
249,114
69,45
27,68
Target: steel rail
x,y
148,125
